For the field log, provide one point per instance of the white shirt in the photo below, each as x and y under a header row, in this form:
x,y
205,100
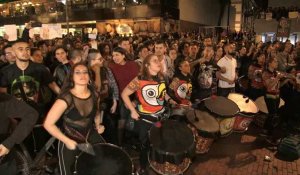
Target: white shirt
x,y
230,66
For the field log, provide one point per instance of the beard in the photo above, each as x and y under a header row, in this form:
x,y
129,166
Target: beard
x,y
233,53
24,59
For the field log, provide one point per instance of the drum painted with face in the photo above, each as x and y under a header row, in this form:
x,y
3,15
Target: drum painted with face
x,y
248,110
172,146
263,110
109,160
224,110
205,128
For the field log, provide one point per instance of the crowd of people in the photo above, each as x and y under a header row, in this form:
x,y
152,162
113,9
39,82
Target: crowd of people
x,y
84,89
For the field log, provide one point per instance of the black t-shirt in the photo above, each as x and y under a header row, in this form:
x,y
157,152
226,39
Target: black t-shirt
x,y
33,78
204,75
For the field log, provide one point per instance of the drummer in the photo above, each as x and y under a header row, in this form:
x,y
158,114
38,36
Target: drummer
x,y
203,76
78,106
150,89
227,74
271,81
255,70
180,88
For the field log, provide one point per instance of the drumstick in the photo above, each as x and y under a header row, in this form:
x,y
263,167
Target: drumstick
x,y
195,116
148,121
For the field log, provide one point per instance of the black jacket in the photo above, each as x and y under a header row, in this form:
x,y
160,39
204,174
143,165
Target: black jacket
x,y
12,108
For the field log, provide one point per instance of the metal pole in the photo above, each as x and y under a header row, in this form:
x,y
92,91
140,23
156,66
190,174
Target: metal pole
x,y
228,16
67,16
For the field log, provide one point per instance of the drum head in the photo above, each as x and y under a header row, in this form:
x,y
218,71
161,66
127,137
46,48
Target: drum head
x,y
245,104
203,121
109,160
221,106
171,142
171,137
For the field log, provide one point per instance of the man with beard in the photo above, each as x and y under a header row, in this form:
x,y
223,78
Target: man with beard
x,y
160,52
12,75
227,74
12,109
26,80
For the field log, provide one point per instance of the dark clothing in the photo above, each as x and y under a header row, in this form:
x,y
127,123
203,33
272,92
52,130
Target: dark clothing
x,y
37,73
142,129
272,121
225,91
272,100
9,167
12,108
61,72
3,64
78,121
203,81
67,157
79,116
245,63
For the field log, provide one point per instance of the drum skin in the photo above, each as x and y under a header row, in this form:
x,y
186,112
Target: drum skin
x,y
221,106
109,160
172,142
206,124
205,128
245,104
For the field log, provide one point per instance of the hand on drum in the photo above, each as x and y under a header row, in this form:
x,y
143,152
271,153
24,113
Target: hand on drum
x,y
100,128
71,144
135,115
3,150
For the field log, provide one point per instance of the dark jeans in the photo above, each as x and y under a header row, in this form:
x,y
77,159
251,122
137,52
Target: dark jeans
x,y
142,128
272,121
224,91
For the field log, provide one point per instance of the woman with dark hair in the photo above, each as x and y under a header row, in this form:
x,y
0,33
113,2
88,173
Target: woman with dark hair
x,y
219,53
255,70
64,66
151,81
124,71
180,88
181,85
77,105
271,80
106,52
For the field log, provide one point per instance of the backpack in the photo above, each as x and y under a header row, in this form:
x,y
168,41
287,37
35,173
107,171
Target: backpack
x,y
290,147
